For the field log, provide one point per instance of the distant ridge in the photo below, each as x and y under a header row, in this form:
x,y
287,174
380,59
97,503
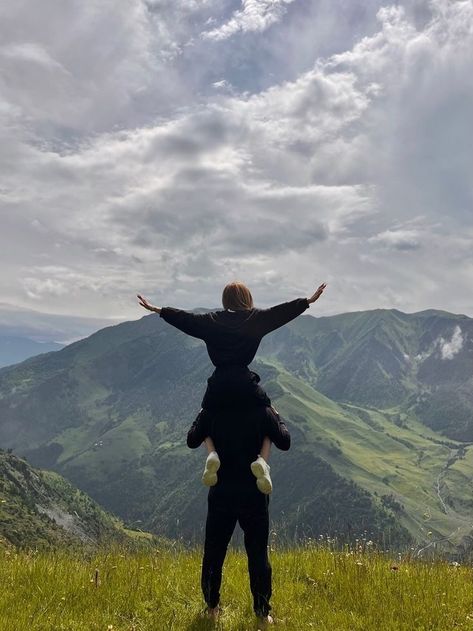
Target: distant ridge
x,y
17,349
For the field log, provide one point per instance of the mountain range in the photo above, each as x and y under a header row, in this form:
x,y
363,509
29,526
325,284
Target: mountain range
x,y
379,404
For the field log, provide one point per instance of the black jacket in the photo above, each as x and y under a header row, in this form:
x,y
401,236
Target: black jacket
x,y
233,337
238,427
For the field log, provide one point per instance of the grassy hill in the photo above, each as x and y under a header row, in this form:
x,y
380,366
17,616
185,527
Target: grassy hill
x,y
423,478
110,413
40,509
314,587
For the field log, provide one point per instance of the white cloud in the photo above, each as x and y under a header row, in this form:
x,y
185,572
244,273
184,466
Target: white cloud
x,y
450,348
255,15
397,239
44,287
447,348
75,66
31,52
132,160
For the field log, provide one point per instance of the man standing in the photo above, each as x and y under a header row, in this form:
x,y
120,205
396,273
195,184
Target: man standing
x,y
238,434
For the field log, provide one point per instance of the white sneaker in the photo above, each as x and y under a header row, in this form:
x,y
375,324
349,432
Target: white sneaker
x,y
212,465
260,469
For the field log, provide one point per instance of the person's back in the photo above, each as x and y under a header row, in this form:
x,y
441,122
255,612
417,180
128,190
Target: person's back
x,y
232,334
237,437
232,337
235,499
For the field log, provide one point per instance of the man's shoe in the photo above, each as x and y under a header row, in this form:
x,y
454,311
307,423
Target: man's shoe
x,y
212,613
260,469
212,465
264,622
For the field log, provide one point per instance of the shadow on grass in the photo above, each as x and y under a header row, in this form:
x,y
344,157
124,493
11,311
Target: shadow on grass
x,y
201,623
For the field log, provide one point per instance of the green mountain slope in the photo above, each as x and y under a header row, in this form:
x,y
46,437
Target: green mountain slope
x,y
111,412
424,478
421,362
41,509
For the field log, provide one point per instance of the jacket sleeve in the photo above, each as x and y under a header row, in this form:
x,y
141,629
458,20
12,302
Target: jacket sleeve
x,y
194,324
199,430
268,320
276,429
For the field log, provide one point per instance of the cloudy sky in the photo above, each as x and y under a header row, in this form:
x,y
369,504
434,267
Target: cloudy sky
x,y
166,147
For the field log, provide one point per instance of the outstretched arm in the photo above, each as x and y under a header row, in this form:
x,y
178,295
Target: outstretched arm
x,y
194,324
317,293
144,303
268,320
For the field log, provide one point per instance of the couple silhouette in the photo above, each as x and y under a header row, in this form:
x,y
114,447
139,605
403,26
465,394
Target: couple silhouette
x,y
238,424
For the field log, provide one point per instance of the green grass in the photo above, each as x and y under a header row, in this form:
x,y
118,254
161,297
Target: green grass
x,y
314,587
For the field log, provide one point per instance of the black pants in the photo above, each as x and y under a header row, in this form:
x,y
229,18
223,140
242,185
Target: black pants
x,y
226,506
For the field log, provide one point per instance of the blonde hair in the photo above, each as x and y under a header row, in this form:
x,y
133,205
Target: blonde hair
x,y
237,296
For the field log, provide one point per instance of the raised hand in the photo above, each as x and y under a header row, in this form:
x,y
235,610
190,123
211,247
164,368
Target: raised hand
x,y
318,293
144,303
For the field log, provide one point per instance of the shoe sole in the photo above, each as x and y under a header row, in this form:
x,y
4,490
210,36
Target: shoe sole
x,y
264,485
262,482
257,469
209,477
213,466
